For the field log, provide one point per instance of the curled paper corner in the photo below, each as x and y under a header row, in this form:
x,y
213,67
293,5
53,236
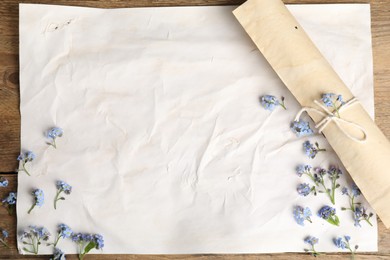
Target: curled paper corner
x,y
308,75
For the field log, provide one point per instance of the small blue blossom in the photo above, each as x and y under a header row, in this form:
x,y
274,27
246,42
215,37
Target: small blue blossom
x,y
344,191
327,99
303,169
3,239
304,189
333,100
25,158
33,237
360,213
98,241
329,214
4,233
301,128
87,242
86,237
61,187
63,231
312,150
355,190
3,182
39,199
58,254
10,199
301,214
9,202
76,237
312,241
53,134
340,243
271,102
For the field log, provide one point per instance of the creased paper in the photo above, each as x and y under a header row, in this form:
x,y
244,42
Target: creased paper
x,y
308,75
166,145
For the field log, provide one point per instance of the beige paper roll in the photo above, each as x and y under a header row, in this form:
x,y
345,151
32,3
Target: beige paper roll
x,y
308,75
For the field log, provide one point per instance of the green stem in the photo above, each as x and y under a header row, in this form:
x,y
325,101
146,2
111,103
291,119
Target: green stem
x,y
326,190
368,221
282,105
25,249
58,239
4,243
33,244
336,109
333,190
37,245
25,170
312,178
56,198
32,207
82,253
9,209
352,203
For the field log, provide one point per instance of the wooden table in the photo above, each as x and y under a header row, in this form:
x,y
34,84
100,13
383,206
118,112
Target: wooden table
x,y
10,118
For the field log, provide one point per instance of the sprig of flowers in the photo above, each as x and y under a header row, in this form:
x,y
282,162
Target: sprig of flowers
x,y
9,202
33,237
312,150
340,243
359,212
63,231
3,239
334,101
58,254
312,241
334,174
53,134
317,176
62,187
329,214
87,242
301,128
39,199
3,182
26,158
301,214
270,102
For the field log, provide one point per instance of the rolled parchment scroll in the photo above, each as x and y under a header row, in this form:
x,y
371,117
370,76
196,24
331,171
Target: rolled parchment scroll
x,y
308,75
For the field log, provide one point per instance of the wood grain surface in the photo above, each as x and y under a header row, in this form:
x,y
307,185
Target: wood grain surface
x,y
10,117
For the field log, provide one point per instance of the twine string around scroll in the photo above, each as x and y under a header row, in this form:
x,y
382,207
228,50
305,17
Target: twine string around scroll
x,y
329,116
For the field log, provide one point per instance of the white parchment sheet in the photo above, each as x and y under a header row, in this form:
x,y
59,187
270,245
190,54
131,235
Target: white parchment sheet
x,y
166,145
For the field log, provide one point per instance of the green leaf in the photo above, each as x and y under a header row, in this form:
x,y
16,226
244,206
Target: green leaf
x,y
62,198
89,247
334,221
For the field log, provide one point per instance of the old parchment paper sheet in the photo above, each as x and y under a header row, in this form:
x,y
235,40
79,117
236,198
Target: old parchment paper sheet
x,y
166,145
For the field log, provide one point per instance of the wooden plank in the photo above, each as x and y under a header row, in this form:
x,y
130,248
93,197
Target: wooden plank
x,y
10,118
9,223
